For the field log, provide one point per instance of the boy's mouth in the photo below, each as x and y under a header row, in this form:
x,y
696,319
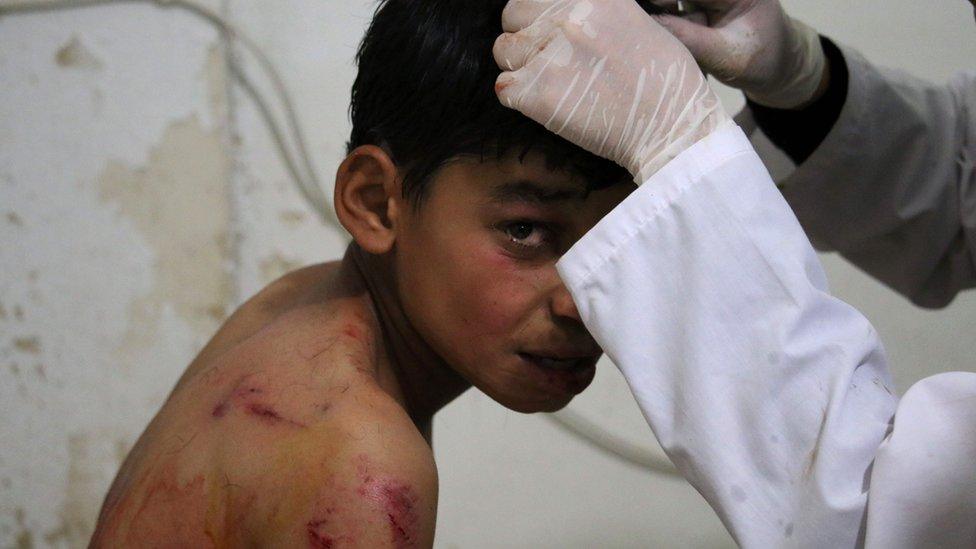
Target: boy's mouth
x,y
566,364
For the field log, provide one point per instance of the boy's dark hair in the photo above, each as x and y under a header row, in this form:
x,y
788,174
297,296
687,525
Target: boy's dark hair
x,y
425,90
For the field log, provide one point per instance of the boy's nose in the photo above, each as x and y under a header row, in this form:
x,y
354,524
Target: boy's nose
x,y
563,304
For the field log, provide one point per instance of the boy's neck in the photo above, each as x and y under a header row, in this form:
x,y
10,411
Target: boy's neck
x,y
407,368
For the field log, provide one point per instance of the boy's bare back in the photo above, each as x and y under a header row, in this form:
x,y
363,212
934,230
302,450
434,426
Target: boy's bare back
x,y
281,433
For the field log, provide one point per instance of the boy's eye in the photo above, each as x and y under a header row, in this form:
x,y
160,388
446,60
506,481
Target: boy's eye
x,y
521,231
526,235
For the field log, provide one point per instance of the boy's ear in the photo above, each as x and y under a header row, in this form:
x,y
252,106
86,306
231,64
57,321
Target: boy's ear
x,y
367,190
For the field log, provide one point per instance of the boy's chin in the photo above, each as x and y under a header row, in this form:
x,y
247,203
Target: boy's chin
x,y
537,406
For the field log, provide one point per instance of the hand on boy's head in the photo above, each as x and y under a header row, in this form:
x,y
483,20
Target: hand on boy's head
x,y
607,77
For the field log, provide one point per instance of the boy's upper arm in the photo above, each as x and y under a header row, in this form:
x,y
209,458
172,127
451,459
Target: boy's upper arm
x,y
374,484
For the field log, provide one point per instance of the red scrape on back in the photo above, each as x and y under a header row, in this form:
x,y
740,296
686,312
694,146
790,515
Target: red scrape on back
x,y
351,331
320,532
316,538
220,409
250,399
269,415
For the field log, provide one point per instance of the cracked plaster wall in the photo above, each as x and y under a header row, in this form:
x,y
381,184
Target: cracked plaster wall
x,y
115,223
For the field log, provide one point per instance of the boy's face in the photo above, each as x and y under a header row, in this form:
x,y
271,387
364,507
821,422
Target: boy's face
x,y
475,269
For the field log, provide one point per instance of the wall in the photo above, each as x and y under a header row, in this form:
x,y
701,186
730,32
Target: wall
x,y
116,246
141,200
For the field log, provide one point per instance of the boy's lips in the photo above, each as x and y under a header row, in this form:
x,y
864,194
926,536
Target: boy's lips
x,y
568,376
561,363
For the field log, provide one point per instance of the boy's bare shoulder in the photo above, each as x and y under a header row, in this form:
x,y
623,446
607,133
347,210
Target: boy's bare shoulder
x,y
285,294
336,460
282,437
375,485
360,475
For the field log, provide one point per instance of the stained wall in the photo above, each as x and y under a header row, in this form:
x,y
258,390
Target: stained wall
x,y
141,200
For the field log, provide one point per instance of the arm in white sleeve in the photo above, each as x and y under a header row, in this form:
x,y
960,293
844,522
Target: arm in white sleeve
x,y
893,185
770,396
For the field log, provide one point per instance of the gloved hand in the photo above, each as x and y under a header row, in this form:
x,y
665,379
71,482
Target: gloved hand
x,y
754,46
605,76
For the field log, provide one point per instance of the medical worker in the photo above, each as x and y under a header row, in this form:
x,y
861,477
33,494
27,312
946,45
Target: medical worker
x,y
771,397
886,161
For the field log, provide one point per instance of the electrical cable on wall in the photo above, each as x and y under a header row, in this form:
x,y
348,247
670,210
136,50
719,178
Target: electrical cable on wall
x,y
307,181
302,172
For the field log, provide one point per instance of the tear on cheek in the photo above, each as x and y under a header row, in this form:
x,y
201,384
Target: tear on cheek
x,y
501,260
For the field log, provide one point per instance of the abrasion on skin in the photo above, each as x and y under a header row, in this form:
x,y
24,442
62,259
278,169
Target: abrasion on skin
x,y
318,535
396,498
252,401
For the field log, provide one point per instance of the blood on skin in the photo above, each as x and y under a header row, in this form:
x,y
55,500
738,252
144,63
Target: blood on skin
x,y
397,500
321,536
351,331
269,414
220,409
250,400
316,538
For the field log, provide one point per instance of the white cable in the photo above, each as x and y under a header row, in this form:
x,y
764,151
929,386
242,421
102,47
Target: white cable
x,y
309,183
602,439
303,175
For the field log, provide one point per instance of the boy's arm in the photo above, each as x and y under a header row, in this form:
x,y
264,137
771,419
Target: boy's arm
x,y
264,473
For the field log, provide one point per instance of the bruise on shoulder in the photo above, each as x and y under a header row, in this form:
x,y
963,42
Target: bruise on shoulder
x,y
373,508
252,396
193,510
283,392
281,404
393,497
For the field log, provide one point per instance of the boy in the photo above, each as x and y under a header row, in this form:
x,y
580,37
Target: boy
x,y
306,420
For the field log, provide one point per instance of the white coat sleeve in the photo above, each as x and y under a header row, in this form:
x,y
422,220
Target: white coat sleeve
x,y
893,185
770,396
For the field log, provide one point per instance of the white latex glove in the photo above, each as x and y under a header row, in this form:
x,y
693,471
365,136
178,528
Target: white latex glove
x,y
754,46
605,76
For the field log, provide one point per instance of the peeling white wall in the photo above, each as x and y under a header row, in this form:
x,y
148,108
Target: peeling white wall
x,y
114,246
141,199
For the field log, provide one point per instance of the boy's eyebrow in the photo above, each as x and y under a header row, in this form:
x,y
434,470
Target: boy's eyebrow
x,y
528,191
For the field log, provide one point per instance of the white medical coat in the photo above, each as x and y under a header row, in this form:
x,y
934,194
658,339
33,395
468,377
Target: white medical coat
x,y
772,397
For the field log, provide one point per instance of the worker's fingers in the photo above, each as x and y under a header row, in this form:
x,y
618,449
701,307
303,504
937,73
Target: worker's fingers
x,y
513,50
672,5
520,88
706,44
507,89
519,14
697,17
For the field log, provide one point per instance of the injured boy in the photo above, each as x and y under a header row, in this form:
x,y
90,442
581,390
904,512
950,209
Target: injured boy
x,y
306,421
